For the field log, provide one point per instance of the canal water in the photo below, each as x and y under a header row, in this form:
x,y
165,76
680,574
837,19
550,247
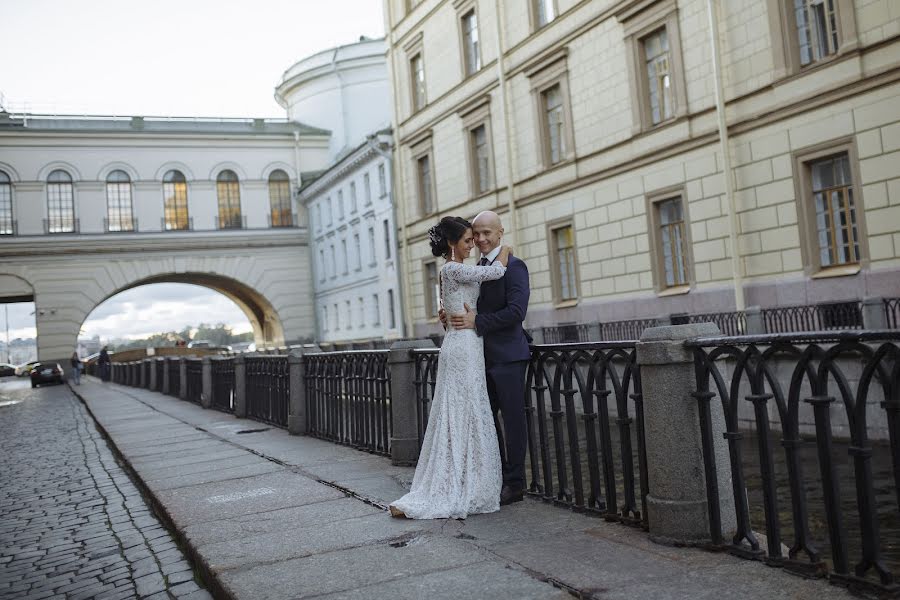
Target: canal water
x,y
885,490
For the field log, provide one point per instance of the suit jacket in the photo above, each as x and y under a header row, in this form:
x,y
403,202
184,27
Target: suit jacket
x,y
502,305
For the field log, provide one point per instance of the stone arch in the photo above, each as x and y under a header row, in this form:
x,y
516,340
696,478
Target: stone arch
x,y
273,166
263,318
117,166
233,166
58,164
174,165
9,170
15,288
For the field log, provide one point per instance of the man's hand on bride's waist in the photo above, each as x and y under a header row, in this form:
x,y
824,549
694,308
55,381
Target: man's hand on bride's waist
x,y
464,320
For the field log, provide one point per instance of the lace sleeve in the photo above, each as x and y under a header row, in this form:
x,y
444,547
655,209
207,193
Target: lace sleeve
x,y
469,273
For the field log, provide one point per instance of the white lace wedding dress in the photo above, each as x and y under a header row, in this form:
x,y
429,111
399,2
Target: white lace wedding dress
x,y
459,470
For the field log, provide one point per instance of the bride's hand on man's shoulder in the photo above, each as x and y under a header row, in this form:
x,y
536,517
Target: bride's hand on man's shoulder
x,y
505,253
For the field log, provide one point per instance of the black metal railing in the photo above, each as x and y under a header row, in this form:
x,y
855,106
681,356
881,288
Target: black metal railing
x,y
566,333
174,366
426,360
348,398
729,323
222,384
120,225
892,312
268,389
585,425
160,366
618,331
194,374
830,374
176,224
821,317
8,225
146,367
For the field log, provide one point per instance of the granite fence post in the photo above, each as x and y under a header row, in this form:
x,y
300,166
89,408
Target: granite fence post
x,y
240,386
206,378
297,405
153,382
537,335
594,332
677,508
404,410
165,381
754,320
873,314
182,377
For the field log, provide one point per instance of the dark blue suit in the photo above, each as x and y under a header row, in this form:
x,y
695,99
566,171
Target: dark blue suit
x,y
502,305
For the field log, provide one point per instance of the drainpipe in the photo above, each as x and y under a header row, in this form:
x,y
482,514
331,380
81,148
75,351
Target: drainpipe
x,y
724,147
507,130
372,141
396,184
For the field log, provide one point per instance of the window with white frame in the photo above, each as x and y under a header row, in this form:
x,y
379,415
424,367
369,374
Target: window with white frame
x,y
340,205
229,196
376,308
280,214
352,197
470,43
324,318
337,318
334,264
344,260
175,206
417,73
119,210
321,264
358,248
60,203
367,189
817,29
372,258
424,184
562,252
659,78
837,231
382,181
481,158
392,317
542,12
7,225
387,239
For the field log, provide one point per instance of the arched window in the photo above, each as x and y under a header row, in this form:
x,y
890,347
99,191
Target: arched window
x,y
7,225
280,199
119,214
229,192
60,203
175,206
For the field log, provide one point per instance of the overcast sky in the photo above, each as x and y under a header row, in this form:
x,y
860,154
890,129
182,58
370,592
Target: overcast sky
x,y
209,58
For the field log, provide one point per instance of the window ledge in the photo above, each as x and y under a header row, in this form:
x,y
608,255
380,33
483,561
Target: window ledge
x,y
841,271
678,290
566,303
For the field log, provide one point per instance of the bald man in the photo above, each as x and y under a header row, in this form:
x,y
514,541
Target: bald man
x,y
501,309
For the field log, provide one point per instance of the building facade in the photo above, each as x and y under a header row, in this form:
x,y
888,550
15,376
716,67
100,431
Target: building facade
x,y
350,204
92,206
597,128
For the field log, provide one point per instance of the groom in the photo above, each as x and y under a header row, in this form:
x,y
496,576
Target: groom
x,y
502,305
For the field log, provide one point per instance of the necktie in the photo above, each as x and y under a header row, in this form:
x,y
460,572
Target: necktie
x,y
483,262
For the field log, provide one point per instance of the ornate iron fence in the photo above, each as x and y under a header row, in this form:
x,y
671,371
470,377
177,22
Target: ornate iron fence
x,y
426,360
194,373
573,426
729,323
222,384
348,398
856,372
174,366
821,317
566,333
160,366
268,388
892,312
616,331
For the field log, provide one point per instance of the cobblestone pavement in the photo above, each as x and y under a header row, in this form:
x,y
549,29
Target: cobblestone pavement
x,y
72,524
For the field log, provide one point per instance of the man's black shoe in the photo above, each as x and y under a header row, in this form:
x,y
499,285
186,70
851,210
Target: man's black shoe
x,y
509,495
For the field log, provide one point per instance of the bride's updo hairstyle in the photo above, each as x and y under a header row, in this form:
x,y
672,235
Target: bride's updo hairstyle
x,y
449,231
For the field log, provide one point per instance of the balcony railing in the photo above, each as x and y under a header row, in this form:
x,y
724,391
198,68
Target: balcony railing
x,y
177,224
8,226
124,225
62,225
231,222
281,219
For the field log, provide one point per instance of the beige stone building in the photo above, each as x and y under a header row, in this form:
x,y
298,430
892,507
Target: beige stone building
x,y
595,129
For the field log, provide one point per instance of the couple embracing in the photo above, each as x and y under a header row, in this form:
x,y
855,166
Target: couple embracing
x,y
481,372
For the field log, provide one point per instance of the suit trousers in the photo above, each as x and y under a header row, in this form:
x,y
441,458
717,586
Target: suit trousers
x,y
506,390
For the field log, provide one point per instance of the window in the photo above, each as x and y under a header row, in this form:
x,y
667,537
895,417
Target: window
x,y
382,181
417,72
470,43
367,189
352,197
349,315
175,207
432,290
358,248
328,210
228,190
387,239
324,318
60,203
376,309
321,264
480,159
424,184
337,318
372,258
656,74
669,233
550,87
362,312
318,209
119,214
659,79
476,119
807,32
392,318
817,31
833,234
340,205
334,266
280,214
542,12
7,225
344,256
562,253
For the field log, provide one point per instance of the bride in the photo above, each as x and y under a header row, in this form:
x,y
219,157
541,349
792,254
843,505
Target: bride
x,y
459,470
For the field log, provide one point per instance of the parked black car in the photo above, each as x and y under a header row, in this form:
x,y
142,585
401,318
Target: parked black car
x,y
7,369
46,373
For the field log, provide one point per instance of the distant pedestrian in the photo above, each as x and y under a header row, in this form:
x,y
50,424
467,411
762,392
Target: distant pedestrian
x,y
103,363
76,368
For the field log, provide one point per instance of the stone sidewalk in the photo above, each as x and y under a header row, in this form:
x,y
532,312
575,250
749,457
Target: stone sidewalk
x,y
270,515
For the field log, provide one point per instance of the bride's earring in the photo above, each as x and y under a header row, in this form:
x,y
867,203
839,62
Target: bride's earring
x,y
453,254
